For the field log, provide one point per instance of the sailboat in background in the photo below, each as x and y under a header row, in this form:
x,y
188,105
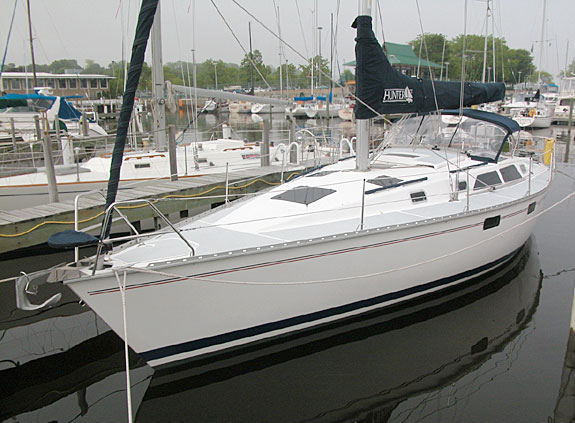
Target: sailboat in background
x,y
540,114
24,109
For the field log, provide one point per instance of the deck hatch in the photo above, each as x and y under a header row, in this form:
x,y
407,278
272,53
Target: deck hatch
x,y
395,185
385,181
304,195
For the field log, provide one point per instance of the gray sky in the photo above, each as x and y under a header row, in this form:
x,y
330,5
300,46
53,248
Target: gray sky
x,y
97,29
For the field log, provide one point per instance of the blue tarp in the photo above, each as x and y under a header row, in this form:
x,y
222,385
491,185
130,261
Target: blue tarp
x,y
35,96
66,110
303,98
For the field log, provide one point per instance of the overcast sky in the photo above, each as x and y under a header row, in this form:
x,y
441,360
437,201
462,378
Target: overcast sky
x,y
97,29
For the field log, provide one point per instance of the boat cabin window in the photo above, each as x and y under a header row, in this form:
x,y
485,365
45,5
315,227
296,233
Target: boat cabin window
x,y
418,197
510,173
304,195
487,179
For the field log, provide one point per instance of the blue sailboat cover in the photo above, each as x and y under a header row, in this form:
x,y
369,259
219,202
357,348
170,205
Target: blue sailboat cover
x,y
383,89
66,110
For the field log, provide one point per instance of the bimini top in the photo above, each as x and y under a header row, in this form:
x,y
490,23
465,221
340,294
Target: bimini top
x,y
494,118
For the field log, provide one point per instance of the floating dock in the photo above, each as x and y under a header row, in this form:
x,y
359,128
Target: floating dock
x,y
31,227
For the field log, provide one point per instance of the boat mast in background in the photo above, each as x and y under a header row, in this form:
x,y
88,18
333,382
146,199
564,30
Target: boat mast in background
x,y
251,59
280,53
159,107
362,128
32,45
541,42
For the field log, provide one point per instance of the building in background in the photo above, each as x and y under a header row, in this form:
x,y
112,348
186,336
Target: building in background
x,y
89,86
403,58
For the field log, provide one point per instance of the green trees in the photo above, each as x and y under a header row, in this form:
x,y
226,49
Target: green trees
x,y
570,71
320,78
511,65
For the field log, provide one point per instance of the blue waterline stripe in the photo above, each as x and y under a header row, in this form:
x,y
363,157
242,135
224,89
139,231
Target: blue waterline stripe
x,y
189,346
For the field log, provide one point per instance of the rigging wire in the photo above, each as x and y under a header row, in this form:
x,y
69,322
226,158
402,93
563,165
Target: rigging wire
x,y
463,62
381,116
8,38
179,51
301,28
249,56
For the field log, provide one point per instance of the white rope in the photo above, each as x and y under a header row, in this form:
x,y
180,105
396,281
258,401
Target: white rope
x,y
249,56
122,286
315,282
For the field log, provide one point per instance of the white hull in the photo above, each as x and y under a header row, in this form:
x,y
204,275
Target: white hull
x,y
297,110
426,330
239,298
345,113
265,108
320,111
533,121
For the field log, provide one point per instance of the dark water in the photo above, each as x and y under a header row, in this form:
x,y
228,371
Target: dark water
x,y
491,351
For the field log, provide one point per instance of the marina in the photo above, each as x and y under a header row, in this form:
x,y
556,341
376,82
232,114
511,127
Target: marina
x,y
388,245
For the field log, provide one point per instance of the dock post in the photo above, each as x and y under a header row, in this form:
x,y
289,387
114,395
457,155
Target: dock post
x,y
292,154
265,146
13,134
85,126
37,128
49,165
172,152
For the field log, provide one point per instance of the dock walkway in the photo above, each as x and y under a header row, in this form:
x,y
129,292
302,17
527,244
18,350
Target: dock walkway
x,y
31,227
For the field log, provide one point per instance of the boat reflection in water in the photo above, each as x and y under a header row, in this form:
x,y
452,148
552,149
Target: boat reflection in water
x,y
367,369
362,370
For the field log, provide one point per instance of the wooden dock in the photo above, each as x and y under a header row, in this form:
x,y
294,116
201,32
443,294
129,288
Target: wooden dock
x,y
25,228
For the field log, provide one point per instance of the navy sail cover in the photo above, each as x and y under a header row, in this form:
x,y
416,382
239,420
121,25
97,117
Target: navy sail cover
x,y
386,90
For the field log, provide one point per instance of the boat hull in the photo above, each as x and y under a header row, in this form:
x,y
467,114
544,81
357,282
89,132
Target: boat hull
x,y
201,305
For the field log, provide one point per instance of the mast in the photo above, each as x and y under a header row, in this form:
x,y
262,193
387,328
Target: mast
x,y
542,35
485,43
31,44
251,59
280,53
145,20
493,41
159,107
362,125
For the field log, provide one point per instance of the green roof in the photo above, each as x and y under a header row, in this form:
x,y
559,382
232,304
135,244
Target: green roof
x,y
402,54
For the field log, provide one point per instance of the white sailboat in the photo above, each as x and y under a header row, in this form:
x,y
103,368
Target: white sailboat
x,y
27,108
430,209
138,168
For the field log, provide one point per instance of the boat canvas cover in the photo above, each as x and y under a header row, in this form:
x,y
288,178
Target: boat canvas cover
x,y
381,89
68,112
65,111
